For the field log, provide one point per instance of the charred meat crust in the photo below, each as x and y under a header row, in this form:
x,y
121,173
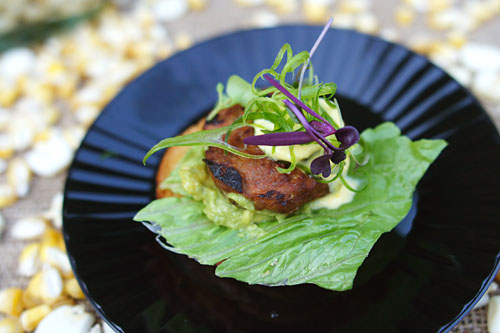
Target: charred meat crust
x,y
257,179
226,174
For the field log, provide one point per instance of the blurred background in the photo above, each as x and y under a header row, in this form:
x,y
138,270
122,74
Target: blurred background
x,y
62,61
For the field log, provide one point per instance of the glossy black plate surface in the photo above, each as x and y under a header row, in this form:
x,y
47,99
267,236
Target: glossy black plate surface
x,y
423,276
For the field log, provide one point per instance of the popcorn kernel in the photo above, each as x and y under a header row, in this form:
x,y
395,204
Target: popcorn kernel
x,y
31,317
11,301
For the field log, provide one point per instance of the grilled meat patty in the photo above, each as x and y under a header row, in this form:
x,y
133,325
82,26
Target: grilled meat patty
x,y
257,179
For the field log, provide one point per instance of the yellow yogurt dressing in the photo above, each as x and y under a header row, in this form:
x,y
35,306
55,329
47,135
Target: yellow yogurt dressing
x,y
339,194
302,152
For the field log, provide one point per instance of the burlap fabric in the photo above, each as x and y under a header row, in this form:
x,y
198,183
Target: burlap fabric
x,y
38,201
221,16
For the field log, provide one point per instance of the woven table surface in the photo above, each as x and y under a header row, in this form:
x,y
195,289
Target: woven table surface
x,y
223,16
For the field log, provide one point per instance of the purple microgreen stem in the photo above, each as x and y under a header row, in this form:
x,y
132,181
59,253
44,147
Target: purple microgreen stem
x,y
279,139
322,128
297,101
327,145
311,53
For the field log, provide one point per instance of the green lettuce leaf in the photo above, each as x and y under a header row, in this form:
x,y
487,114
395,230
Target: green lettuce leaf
x,y
323,247
239,90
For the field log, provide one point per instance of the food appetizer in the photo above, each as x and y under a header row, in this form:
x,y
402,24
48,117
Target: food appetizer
x,y
274,189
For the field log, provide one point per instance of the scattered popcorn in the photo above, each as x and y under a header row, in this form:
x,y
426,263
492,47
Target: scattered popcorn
x,y
405,16
87,114
17,62
421,44
443,20
51,285
50,115
72,288
91,94
486,85
53,238
45,287
367,23
159,34
342,20
66,319
264,19
457,38
19,176
5,117
96,329
8,96
21,134
183,41
63,300
10,325
283,6
31,317
494,6
28,106
420,6
315,12
58,259
6,147
444,55
29,262
74,135
55,211
439,5
483,301
7,195
479,10
197,4
107,328
48,158
461,74
10,301
169,10
354,6
389,34
480,57
494,314
143,15
28,228
486,296
41,91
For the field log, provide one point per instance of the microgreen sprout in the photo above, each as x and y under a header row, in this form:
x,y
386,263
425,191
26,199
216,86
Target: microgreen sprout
x,y
315,130
294,110
311,53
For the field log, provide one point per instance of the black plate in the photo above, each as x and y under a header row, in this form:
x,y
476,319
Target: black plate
x,y
424,276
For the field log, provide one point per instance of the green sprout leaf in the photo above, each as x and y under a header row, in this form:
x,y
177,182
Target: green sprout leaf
x,y
212,138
